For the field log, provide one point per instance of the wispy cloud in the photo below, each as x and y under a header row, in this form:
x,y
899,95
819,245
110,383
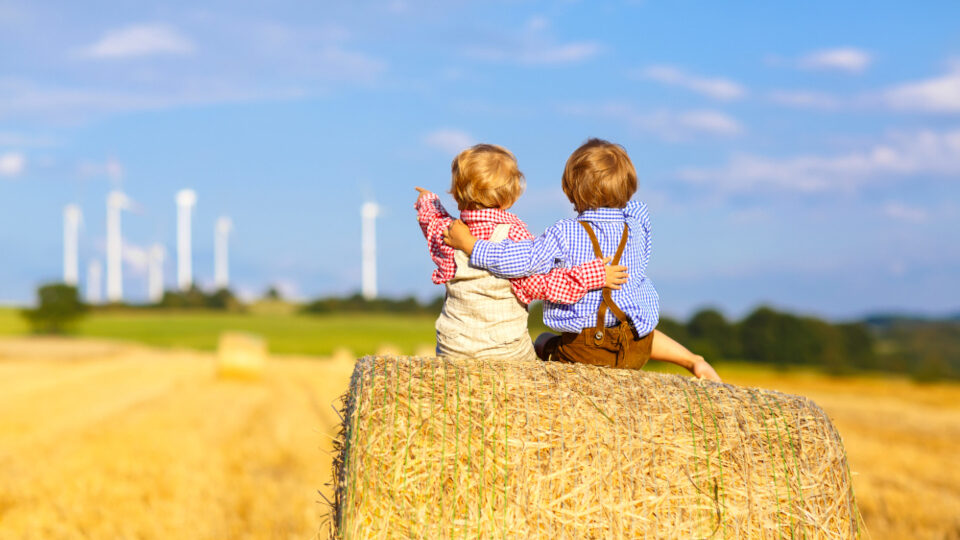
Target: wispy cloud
x,y
450,141
900,155
535,45
668,125
936,94
902,212
9,138
25,99
12,164
845,59
713,87
111,169
139,40
805,99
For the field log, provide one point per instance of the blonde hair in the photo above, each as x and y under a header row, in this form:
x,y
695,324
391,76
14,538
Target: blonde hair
x,y
599,174
486,176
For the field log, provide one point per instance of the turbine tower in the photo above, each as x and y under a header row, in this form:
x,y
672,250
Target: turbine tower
x,y
116,203
94,277
155,273
221,259
186,199
368,247
71,231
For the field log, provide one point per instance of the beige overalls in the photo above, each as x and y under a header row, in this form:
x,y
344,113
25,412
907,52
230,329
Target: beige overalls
x,y
481,317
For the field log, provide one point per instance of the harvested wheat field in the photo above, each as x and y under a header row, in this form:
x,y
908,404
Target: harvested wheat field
x,y
113,441
106,440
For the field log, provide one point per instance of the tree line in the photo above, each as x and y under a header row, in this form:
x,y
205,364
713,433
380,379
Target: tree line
x,y
924,349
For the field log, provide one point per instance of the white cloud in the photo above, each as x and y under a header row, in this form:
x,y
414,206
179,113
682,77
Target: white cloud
x,y
536,46
451,141
139,40
673,126
111,168
848,59
938,94
8,138
12,164
900,155
902,212
713,87
136,257
805,99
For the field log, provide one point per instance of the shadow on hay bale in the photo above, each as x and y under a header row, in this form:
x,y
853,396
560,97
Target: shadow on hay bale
x,y
241,356
441,448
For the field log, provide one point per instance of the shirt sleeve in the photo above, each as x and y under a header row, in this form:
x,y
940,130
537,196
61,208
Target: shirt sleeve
x,y
508,259
638,219
434,220
561,285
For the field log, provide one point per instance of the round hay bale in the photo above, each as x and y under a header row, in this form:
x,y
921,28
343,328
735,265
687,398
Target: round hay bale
x,y
437,448
241,355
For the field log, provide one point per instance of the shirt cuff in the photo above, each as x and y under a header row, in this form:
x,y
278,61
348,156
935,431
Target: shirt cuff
x,y
480,253
427,201
594,275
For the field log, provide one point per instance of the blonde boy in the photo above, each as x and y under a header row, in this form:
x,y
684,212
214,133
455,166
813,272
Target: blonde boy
x,y
614,328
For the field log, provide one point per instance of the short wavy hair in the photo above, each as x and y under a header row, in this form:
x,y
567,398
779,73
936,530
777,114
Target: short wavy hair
x,y
486,176
599,174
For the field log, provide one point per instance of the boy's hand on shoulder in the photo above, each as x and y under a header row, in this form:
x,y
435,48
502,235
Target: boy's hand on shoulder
x,y
616,275
422,193
458,237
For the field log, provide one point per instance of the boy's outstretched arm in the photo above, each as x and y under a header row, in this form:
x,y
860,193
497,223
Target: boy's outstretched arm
x,y
507,259
434,220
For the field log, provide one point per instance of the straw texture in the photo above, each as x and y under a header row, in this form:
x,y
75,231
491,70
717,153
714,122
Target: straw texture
x,y
436,448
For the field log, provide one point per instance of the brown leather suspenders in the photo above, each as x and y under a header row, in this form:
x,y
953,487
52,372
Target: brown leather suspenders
x,y
607,292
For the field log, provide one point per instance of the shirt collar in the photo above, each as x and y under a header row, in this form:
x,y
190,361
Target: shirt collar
x,y
493,215
601,214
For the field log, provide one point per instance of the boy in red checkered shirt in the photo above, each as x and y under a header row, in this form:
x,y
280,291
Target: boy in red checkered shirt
x,y
484,316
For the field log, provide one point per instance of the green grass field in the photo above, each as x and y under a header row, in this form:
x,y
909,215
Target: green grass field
x,y
286,334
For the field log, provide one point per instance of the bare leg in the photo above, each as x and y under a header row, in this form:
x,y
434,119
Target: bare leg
x,y
666,349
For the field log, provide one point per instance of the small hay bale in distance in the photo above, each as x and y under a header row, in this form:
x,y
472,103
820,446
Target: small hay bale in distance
x,y
241,355
437,448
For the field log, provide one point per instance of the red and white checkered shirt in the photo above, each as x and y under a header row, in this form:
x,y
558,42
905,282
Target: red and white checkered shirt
x,y
561,285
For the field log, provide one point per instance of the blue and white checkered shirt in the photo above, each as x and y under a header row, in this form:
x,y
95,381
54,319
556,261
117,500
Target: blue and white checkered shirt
x,y
567,244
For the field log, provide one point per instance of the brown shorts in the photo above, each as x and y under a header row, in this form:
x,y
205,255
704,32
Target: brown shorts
x,y
619,348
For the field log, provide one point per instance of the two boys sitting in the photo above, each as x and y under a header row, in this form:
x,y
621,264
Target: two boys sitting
x,y
606,314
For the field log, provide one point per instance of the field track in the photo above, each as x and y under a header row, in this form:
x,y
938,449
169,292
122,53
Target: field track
x,y
108,440
115,441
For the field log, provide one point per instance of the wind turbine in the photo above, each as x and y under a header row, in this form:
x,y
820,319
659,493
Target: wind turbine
x,y
155,273
368,248
186,199
117,202
221,260
71,231
94,277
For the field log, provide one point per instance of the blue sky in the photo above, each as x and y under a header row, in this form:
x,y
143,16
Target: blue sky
x,y
805,156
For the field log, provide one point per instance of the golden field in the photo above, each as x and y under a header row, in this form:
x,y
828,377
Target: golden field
x,y
108,440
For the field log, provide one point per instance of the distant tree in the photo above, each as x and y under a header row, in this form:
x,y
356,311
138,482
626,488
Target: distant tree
x,y
58,307
273,293
709,329
859,345
760,337
223,299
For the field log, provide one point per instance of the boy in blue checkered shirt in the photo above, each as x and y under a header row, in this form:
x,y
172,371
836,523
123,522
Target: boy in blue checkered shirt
x,y
614,328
